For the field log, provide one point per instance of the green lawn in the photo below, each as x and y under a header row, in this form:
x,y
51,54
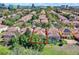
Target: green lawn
x,y
56,50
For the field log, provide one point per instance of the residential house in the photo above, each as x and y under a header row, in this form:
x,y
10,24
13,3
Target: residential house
x,y
4,17
75,33
0,21
33,12
67,22
19,23
13,15
53,34
76,24
42,16
70,42
36,22
3,28
62,18
7,37
43,19
26,18
39,31
77,18
9,16
64,33
13,29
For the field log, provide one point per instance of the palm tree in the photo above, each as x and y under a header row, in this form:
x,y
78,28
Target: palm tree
x,y
33,27
46,26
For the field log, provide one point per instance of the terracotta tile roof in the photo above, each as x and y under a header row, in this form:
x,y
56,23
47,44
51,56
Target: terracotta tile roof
x,y
75,22
0,22
8,35
13,29
44,20
53,32
71,42
42,16
3,26
26,18
66,21
75,33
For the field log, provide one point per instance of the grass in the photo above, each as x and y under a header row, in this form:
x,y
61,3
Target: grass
x,y
4,50
52,51
56,50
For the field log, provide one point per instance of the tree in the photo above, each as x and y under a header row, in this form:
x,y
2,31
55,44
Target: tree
x,y
34,17
14,41
37,42
9,21
23,40
49,8
28,32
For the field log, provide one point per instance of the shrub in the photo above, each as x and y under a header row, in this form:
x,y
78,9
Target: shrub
x,y
19,50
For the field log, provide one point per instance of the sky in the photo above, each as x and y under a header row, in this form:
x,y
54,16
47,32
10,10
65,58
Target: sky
x,y
39,1
45,4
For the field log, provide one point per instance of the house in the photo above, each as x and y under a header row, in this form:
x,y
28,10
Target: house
x,y
76,36
77,18
33,12
42,16
64,33
13,29
13,15
26,18
0,21
67,22
9,16
3,28
40,31
53,12
70,42
7,37
18,23
37,21
53,34
4,17
75,33
76,24
43,19
60,16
